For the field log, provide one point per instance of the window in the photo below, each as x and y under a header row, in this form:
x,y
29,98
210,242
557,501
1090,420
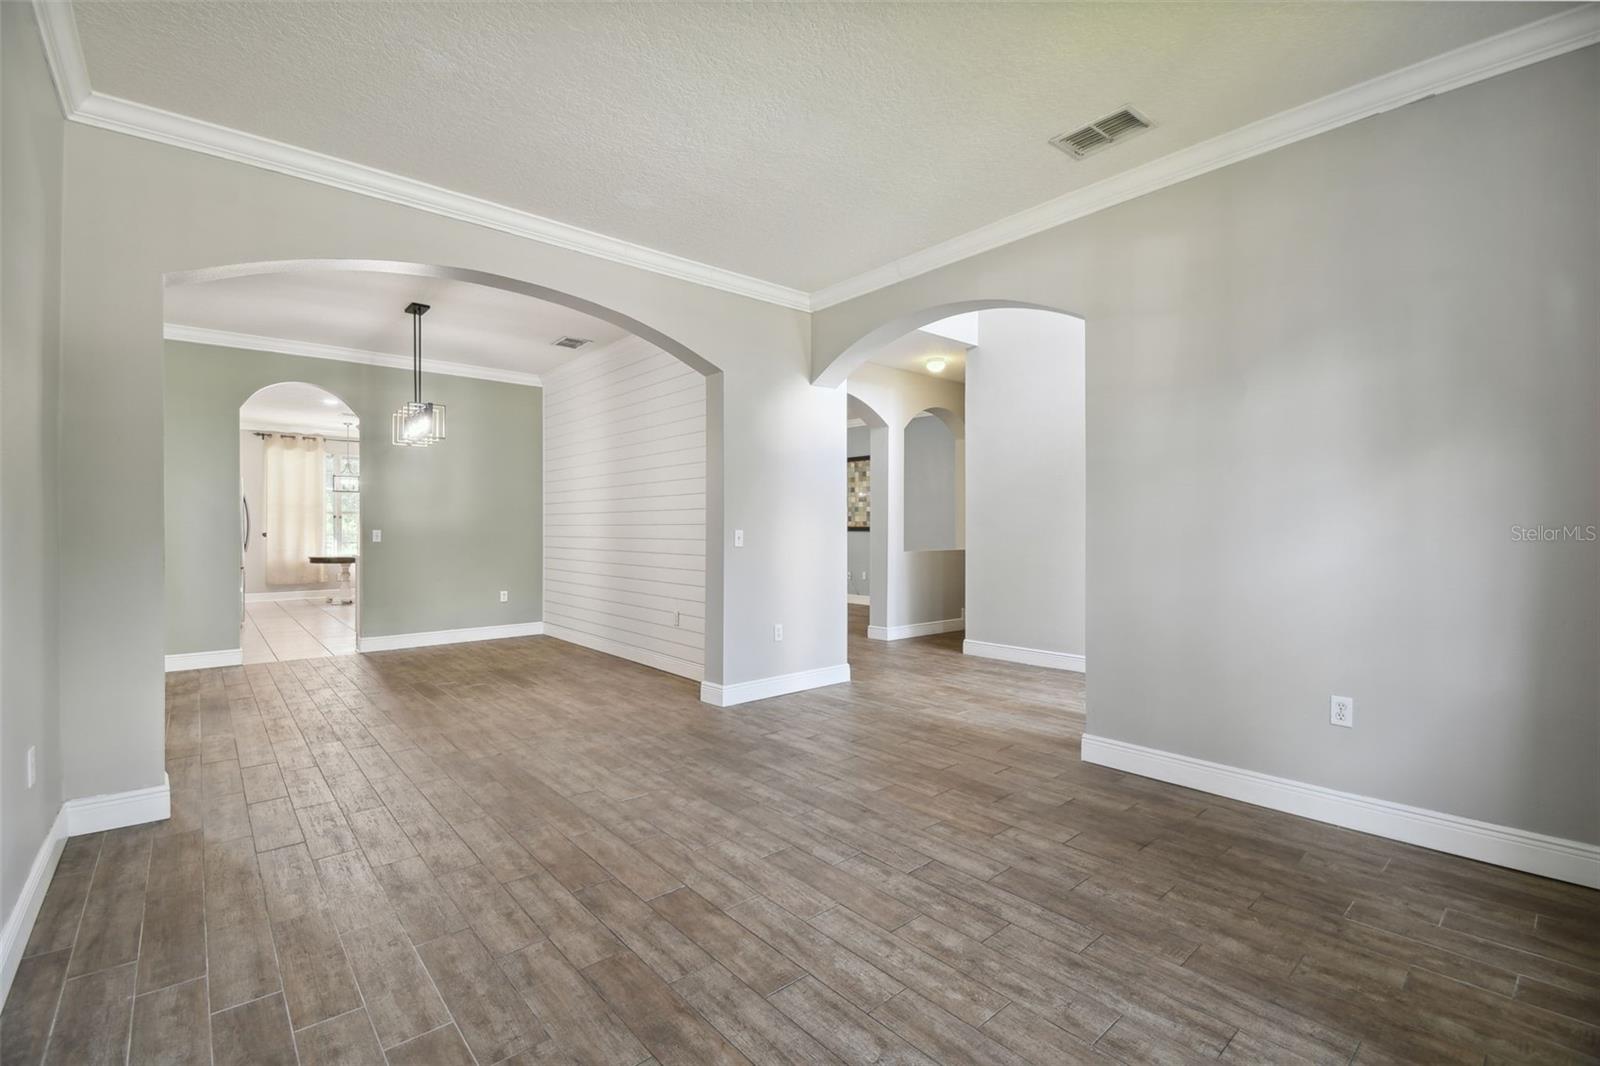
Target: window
x,y
341,509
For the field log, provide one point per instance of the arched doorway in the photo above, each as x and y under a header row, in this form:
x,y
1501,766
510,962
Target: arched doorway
x,y
300,500
1020,439
867,503
409,595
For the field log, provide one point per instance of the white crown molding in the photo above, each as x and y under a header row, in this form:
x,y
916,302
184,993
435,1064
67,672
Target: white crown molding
x,y
58,27
767,687
1011,653
1560,33
1520,849
204,660
397,641
1545,39
222,338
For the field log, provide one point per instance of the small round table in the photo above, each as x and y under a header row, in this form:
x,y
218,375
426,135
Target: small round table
x,y
347,591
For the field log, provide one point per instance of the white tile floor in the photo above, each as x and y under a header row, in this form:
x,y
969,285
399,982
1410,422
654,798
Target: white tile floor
x,y
297,629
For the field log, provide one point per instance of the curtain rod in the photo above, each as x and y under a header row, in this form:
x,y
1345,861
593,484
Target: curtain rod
x,y
305,436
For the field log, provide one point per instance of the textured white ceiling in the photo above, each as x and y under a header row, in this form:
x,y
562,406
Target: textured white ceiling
x,y
799,143
466,323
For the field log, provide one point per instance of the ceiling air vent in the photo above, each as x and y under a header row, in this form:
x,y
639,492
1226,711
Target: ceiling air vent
x,y
1097,135
571,342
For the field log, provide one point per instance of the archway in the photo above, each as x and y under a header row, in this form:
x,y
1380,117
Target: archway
x,y
300,493
347,362
829,371
1022,436
464,274
867,549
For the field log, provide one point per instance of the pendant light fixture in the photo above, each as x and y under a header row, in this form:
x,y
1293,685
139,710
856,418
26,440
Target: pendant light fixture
x,y
418,424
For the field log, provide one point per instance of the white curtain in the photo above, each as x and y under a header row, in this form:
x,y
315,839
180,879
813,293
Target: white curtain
x,y
294,478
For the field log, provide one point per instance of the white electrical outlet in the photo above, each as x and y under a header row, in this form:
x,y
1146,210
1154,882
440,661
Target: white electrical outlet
x,y
1342,711
777,631
738,538
33,769
377,535
505,597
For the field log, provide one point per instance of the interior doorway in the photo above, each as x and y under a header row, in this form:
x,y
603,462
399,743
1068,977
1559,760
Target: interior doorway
x,y
300,524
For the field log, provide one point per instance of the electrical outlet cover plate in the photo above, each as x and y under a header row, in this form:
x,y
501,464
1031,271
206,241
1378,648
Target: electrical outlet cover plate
x,y
1342,711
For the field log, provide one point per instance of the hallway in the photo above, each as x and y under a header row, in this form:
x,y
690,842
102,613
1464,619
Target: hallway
x,y
526,851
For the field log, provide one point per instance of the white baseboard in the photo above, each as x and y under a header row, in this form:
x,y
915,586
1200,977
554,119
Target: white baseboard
x,y
860,601
91,814
19,923
292,594
205,660
655,660
396,641
916,629
1011,653
96,814
1519,849
767,687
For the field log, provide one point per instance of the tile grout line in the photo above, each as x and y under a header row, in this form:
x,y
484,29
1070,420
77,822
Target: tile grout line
x,y
72,950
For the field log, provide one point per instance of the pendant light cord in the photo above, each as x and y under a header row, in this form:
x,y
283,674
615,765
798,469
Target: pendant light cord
x,y
416,356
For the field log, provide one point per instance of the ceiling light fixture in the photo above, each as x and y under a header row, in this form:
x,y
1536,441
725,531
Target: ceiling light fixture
x,y
330,401
936,365
418,424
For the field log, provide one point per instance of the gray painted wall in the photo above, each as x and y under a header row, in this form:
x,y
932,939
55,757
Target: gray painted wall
x,y
136,210
930,485
1025,481
625,506
30,271
460,520
1324,385
858,547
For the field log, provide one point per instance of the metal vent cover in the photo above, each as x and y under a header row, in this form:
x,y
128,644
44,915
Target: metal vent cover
x,y
571,342
1097,135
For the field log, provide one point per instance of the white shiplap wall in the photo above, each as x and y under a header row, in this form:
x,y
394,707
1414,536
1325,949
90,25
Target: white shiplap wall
x,y
625,506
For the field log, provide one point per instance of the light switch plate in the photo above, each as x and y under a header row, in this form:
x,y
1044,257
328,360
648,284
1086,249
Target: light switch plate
x,y
377,535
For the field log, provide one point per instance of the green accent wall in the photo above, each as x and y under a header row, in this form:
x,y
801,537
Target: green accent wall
x,y
461,520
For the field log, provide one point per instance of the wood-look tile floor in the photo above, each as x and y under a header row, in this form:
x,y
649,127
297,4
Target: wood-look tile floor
x,y
526,852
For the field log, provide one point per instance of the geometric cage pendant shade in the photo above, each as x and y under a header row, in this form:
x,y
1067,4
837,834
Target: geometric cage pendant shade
x,y
418,424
